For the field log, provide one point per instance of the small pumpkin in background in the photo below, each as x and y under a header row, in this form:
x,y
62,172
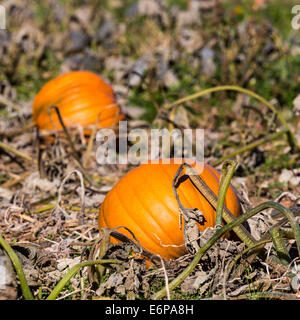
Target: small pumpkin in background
x,y
144,202
81,97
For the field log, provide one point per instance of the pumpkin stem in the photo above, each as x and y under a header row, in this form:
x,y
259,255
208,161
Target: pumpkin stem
x,y
191,217
74,152
210,196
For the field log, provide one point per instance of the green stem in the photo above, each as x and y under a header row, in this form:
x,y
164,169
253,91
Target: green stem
x,y
58,288
237,221
46,208
280,248
250,146
266,295
15,151
280,117
286,233
71,208
227,173
18,267
234,261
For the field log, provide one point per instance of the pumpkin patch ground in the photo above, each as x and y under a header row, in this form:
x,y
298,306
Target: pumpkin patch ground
x,y
75,228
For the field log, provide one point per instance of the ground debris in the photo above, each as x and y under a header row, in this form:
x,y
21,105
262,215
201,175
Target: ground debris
x,y
152,53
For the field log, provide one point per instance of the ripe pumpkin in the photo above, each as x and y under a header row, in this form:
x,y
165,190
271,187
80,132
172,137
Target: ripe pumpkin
x,y
143,201
80,96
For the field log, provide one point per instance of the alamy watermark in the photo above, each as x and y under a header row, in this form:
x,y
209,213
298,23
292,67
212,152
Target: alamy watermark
x,y
140,146
2,18
296,19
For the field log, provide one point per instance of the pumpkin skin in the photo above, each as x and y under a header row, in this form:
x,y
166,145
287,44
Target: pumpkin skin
x,y
80,96
143,201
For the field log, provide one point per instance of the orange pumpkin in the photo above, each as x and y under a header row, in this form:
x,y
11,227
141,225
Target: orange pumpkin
x,y
80,96
143,201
